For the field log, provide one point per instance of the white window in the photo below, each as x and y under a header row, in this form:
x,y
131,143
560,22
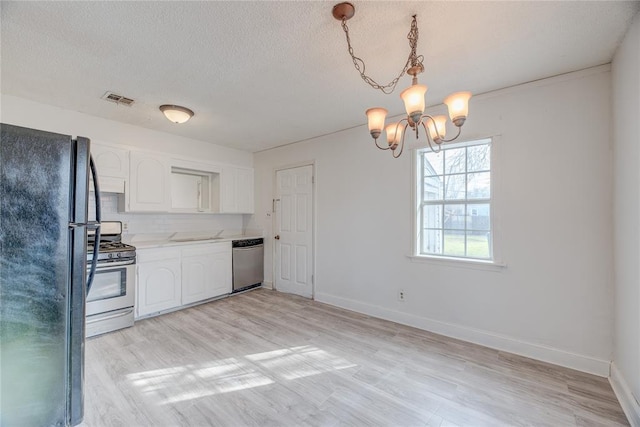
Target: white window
x,y
454,201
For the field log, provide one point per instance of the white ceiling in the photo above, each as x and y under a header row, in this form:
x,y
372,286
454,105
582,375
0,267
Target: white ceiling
x,y
264,74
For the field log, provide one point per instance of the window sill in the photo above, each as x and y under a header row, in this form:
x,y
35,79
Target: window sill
x,y
474,264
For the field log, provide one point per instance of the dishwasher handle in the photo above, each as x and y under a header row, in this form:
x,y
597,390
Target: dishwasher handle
x,y
248,248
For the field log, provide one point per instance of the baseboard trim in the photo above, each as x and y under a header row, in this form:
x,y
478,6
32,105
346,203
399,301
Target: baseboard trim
x,y
543,353
629,404
267,284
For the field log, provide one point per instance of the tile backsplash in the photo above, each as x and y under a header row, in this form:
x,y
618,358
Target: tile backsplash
x,y
136,223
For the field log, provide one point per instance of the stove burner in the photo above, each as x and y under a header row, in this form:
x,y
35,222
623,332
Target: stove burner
x,y
115,246
111,249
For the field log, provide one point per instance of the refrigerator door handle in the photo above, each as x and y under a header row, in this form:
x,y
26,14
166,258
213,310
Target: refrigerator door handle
x,y
95,225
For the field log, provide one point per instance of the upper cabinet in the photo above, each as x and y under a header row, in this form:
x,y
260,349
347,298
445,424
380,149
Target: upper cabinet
x,y
237,190
149,188
112,165
155,182
110,160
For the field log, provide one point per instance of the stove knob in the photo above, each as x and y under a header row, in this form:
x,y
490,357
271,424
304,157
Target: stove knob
x,y
118,255
110,255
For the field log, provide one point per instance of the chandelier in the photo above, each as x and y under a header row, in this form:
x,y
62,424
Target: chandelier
x,y
413,97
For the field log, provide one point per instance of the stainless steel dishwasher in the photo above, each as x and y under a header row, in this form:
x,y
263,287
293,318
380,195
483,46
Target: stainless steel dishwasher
x,y
248,263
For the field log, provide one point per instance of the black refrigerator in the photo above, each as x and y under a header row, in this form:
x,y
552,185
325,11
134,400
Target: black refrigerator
x,y
44,179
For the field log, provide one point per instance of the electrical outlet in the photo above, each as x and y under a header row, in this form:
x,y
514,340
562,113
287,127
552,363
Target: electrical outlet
x,y
125,226
401,295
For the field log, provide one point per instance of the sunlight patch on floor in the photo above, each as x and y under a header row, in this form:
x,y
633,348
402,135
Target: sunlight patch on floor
x,y
299,362
195,381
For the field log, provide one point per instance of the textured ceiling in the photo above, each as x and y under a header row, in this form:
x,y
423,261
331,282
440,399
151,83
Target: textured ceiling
x,y
264,74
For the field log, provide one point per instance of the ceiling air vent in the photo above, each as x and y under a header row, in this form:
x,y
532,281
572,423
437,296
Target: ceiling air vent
x,y
118,99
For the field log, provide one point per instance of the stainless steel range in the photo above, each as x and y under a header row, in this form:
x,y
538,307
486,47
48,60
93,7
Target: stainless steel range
x,y
112,295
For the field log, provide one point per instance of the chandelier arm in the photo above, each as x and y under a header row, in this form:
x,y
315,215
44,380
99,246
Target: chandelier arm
x,y
455,137
412,61
426,131
376,142
404,133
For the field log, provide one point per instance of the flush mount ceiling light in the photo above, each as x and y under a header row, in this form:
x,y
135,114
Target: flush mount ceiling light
x,y
413,96
176,113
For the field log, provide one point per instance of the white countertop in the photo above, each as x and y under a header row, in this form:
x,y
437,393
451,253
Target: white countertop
x,y
160,240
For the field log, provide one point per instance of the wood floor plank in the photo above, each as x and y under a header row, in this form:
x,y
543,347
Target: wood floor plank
x,y
263,358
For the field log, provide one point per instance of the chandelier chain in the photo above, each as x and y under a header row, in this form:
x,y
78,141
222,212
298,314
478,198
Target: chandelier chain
x,y
413,60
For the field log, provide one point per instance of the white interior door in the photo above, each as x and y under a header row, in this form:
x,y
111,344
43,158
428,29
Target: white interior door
x,y
294,231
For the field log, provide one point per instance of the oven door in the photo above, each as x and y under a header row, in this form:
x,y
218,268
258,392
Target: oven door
x,y
113,287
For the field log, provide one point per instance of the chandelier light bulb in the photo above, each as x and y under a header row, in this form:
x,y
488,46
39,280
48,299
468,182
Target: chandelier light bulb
x,y
458,104
437,127
376,118
394,134
413,98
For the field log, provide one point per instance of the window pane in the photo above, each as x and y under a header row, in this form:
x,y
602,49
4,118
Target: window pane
x,y
479,217
454,187
433,163
454,243
454,217
454,160
432,216
479,185
433,188
478,244
431,241
479,158
455,209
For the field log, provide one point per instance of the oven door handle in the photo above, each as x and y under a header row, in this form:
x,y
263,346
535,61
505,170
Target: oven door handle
x,y
92,319
107,265
94,224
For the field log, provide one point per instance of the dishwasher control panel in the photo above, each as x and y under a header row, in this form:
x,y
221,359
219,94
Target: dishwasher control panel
x,y
247,242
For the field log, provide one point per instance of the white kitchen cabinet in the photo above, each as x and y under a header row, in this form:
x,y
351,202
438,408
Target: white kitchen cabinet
x,y
149,189
111,161
222,269
206,271
237,190
159,285
171,277
112,164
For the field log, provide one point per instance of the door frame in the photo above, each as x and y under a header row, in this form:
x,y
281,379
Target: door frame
x,y
314,207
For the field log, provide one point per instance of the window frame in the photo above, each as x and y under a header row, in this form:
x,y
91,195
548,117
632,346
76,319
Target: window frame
x,y
495,262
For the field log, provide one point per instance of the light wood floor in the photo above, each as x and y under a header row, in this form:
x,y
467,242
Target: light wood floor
x,y
269,359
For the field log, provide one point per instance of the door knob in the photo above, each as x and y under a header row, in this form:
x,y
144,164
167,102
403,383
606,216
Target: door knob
x,y
277,237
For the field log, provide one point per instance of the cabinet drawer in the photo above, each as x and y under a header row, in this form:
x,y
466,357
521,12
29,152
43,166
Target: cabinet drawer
x,y
209,248
158,254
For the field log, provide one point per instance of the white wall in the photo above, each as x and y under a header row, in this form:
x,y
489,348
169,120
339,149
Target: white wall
x,y
554,299
626,138
23,112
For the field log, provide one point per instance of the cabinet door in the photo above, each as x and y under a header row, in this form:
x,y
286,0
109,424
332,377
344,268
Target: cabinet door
x,y
197,277
158,285
245,190
110,161
237,190
221,265
149,189
229,190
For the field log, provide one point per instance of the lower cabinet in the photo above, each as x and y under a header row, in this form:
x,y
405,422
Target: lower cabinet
x,y
206,272
179,275
158,283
